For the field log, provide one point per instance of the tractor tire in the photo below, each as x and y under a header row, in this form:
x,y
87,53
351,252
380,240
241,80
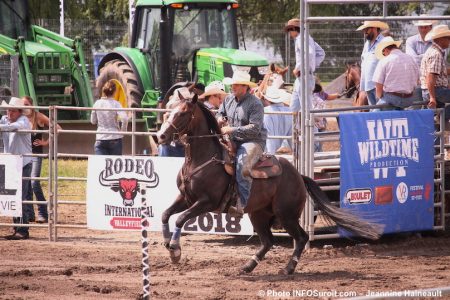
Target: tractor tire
x,y
121,71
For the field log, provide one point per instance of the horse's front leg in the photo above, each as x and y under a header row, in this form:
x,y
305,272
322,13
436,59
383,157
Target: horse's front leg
x,y
201,206
178,205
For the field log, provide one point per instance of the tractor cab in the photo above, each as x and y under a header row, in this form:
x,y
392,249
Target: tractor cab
x,y
192,41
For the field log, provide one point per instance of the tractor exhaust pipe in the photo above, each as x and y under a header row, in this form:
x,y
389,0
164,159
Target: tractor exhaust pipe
x,y
165,50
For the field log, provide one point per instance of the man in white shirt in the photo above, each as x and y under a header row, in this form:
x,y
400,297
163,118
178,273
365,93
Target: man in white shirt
x,y
18,143
316,55
395,76
372,33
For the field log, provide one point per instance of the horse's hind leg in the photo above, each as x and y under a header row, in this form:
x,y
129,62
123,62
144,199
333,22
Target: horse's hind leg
x,y
261,221
300,237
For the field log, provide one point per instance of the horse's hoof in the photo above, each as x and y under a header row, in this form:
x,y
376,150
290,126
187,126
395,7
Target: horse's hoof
x,y
286,271
166,244
175,255
244,271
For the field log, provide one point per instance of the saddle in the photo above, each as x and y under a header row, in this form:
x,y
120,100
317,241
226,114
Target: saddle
x,y
267,166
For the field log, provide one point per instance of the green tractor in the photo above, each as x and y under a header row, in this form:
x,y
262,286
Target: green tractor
x,y
173,42
51,68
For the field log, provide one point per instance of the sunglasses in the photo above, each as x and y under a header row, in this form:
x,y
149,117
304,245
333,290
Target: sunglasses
x,y
291,29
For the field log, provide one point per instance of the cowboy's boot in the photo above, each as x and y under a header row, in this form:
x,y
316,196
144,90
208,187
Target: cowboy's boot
x,y
236,211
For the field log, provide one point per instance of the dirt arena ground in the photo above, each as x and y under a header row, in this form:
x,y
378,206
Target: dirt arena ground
x,y
87,264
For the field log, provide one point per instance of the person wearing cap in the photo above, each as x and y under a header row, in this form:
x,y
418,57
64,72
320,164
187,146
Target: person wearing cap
x,y
415,45
214,95
276,124
18,143
372,33
242,116
316,56
396,75
433,69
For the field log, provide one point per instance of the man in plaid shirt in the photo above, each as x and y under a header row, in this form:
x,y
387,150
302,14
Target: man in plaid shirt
x,y
433,69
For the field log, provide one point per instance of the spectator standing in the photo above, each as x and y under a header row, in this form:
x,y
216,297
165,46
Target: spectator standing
x,y
276,124
108,120
214,95
433,69
175,148
372,33
38,121
242,115
416,45
18,143
396,75
315,54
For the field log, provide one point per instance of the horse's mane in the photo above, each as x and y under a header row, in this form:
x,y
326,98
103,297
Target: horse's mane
x,y
210,120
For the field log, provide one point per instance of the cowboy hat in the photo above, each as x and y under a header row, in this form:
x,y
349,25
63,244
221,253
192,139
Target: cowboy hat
x,y
387,41
437,32
15,103
239,77
425,22
286,97
376,24
292,23
214,88
273,95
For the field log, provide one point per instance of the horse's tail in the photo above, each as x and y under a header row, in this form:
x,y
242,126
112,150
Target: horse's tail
x,y
342,218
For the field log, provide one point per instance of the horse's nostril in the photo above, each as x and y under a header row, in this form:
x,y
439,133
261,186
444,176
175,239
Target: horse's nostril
x,y
162,137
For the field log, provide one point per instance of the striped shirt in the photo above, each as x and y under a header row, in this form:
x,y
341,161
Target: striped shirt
x,y
397,72
433,62
247,116
17,143
368,64
108,120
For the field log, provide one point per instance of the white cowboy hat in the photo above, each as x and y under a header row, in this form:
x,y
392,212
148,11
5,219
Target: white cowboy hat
x,y
273,95
292,23
437,32
239,77
16,103
376,24
387,41
286,97
214,88
425,22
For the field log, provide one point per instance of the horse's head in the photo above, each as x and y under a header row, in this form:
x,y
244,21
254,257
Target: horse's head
x,y
179,120
352,78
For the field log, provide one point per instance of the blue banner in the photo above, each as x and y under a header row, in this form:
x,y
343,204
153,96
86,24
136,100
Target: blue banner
x,y
387,168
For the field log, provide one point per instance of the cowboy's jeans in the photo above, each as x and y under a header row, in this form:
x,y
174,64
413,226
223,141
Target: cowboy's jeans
x,y
399,103
371,97
36,186
442,97
247,155
26,208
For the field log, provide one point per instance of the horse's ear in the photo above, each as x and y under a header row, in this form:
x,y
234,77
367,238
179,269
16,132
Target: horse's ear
x,y
180,96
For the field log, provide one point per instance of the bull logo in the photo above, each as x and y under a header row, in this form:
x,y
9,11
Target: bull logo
x,y
128,187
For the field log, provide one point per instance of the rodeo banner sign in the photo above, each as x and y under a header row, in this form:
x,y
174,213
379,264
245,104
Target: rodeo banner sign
x,y
387,168
11,185
117,185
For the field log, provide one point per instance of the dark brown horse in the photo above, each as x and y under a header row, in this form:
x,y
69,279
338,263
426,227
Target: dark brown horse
x,y
352,80
203,182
